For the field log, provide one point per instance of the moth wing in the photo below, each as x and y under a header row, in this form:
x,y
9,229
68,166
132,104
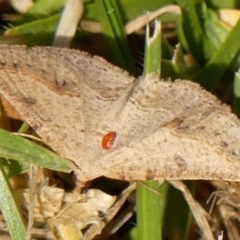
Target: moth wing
x,y
196,138
63,94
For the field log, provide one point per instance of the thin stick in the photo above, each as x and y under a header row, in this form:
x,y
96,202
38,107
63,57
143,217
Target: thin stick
x,y
68,24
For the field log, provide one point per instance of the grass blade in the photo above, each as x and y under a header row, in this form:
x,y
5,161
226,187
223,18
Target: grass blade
x,y
20,149
150,206
10,209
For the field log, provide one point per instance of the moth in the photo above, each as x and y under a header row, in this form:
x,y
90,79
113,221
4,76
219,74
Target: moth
x,y
159,129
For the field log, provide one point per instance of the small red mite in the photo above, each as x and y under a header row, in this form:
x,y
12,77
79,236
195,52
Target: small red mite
x,y
108,140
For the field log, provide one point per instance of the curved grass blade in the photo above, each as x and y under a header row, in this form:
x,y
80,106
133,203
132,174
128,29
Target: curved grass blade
x,y
20,149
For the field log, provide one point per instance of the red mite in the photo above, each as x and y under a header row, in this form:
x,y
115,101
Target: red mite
x,y
108,140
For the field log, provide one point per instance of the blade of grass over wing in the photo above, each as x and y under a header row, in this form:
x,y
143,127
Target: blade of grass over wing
x,y
150,206
10,209
115,36
210,76
20,149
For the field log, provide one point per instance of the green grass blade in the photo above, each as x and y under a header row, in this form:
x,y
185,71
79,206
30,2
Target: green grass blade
x,y
10,209
214,28
150,206
168,70
210,76
150,209
24,128
38,32
152,60
13,168
20,149
115,36
178,60
200,46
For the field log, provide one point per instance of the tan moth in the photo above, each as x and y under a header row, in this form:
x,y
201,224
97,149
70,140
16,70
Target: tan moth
x,y
165,130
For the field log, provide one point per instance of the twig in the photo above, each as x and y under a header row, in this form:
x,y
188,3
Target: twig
x,y
68,24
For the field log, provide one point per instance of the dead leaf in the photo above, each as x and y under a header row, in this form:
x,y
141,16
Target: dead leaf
x,y
68,212
162,129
